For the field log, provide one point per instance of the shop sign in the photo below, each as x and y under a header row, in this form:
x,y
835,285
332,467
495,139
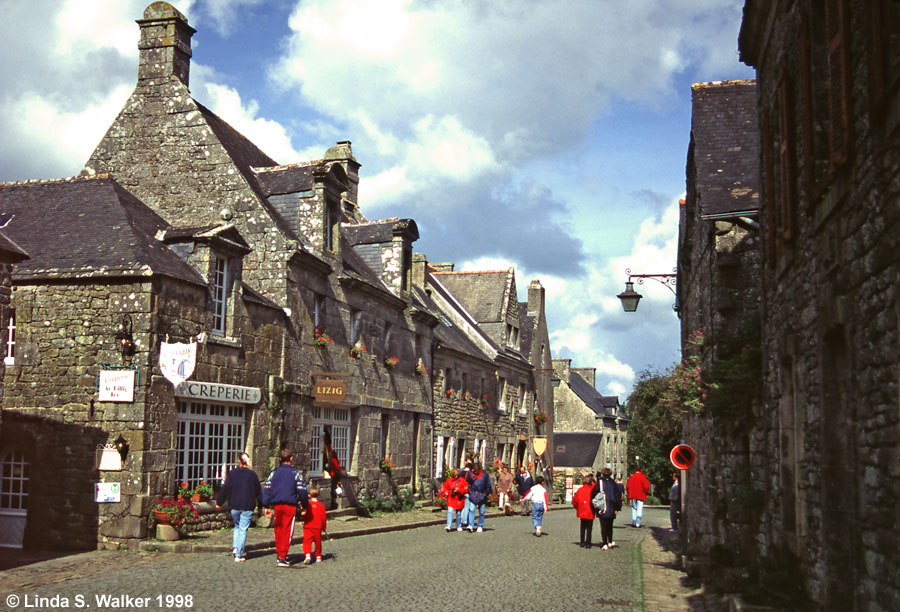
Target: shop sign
x,y
116,386
107,492
330,391
218,392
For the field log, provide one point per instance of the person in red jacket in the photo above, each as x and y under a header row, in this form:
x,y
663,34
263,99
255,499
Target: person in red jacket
x,y
637,489
315,520
454,491
583,509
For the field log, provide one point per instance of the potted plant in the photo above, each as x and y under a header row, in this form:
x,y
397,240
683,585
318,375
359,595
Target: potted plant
x,y
202,492
390,361
184,490
421,370
172,513
321,338
484,401
357,349
386,466
540,417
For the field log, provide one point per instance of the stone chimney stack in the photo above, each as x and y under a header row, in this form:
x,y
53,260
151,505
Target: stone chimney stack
x,y
588,374
165,45
419,268
535,298
343,154
562,368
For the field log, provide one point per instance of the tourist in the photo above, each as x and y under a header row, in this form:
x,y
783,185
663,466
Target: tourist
x,y
611,506
524,482
479,488
540,503
315,521
468,513
331,468
284,488
637,488
674,502
243,494
454,491
504,486
584,511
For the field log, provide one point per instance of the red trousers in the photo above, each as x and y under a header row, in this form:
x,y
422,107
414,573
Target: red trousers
x,y
284,528
310,536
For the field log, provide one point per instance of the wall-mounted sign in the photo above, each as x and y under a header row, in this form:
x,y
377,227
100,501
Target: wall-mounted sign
x,y
177,360
108,458
682,456
539,445
330,391
107,492
116,385
218,392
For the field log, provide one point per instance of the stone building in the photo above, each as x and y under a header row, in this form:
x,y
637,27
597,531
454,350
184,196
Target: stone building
x,y
486,389
189,232
823,487
718,295
580,409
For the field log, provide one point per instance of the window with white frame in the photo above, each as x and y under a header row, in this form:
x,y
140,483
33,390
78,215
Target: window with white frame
x,y
220,295
439,457
501,395
356,325
335,421
210,436
10,357
450,453
14,481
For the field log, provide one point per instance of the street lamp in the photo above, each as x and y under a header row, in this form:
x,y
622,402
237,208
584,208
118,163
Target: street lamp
x,y
630,297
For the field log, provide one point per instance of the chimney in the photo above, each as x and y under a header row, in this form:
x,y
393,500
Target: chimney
x,y
588,374
442,266
343,154
419,266
165,44
535,298
562,368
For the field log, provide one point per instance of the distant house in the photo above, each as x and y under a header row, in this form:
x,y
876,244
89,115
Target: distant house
x,y
581,409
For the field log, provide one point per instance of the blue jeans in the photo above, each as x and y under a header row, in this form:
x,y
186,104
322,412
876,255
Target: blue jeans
x,y
480,508
468,512
450,514
537,514
637,511
241,520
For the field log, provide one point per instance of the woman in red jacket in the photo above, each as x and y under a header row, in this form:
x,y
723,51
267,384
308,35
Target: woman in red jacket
x,y
454,491
584,511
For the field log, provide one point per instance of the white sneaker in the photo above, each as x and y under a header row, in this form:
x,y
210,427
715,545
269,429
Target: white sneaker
x,y
447,529
459,528
479,530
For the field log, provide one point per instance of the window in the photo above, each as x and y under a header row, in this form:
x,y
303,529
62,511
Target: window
x,y
508,333
464,389
836,17
10,357
406,269
220,295
501,395
336,422
385,433
515,337
14,481
332,218
318,311
209,438
439,456
356,325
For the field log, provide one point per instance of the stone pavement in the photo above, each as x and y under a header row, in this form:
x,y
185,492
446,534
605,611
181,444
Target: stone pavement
x,y
663,587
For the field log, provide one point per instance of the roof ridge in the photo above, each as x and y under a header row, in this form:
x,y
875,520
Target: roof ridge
x,y
303,164
472,272
58,181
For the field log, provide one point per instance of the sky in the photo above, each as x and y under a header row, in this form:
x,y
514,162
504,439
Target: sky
x,y
547,136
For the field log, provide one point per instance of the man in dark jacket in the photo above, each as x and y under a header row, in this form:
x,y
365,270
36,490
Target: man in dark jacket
x,y
479,488
283,490
524,482
613,505
243,494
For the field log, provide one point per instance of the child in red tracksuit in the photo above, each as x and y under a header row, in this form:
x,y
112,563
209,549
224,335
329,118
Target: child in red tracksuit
x,y
314,520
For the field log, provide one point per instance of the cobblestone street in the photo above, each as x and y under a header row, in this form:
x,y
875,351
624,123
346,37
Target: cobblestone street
x,y
504,568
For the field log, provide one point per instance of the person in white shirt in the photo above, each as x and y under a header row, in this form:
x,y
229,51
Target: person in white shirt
x,y
540,503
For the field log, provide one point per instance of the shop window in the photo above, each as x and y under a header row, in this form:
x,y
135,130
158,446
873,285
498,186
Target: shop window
x,y
334,422
210,436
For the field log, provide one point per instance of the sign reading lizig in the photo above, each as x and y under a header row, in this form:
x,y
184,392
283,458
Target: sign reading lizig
x,y
330,391
116,386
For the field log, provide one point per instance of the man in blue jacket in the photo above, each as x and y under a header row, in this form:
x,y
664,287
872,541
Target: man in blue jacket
x,y
284,488
524,481
243,494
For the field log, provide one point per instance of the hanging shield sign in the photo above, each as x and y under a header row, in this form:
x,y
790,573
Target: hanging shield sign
x,y
539,445
177,361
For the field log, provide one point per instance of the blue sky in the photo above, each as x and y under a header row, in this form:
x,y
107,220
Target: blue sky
x,y
550,136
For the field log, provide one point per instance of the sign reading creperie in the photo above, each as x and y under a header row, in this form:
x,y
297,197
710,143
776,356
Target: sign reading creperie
x,y
218,392
330,391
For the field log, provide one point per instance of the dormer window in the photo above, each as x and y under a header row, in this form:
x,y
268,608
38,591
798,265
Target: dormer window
x,y
220,292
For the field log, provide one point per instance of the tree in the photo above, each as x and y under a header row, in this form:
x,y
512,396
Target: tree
x,y
654,429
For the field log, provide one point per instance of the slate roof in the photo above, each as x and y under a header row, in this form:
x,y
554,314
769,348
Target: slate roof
x,y
725,146
447,333
10,252
86,228
379,231
482,293
526,334
600,404
293,178
572,449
